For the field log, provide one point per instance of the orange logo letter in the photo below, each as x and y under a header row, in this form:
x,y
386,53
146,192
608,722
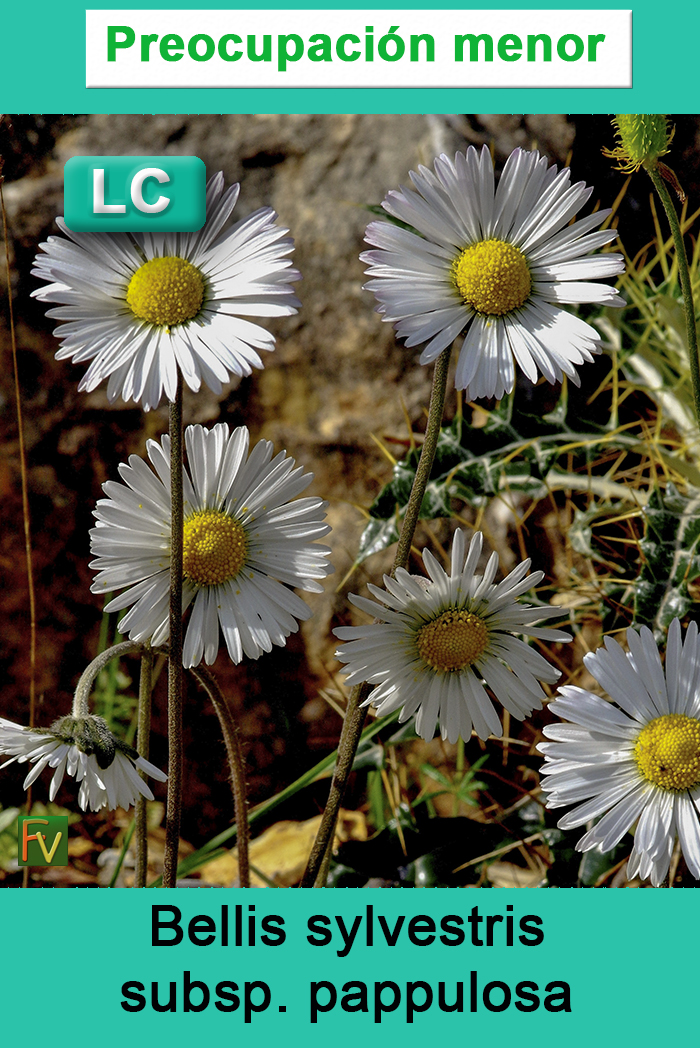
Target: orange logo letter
x,y
26,838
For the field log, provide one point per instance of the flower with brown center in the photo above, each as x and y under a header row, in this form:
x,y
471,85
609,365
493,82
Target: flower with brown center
x,y
441,640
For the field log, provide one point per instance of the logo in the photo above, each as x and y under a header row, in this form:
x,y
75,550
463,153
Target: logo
x,y
42,840
152,194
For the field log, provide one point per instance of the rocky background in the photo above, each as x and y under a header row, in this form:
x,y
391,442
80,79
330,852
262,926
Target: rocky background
x,y
337,381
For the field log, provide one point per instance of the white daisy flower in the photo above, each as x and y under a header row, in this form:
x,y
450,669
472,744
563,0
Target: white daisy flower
x,y
637,761
438,639
496,263
85,748
142,305
247,540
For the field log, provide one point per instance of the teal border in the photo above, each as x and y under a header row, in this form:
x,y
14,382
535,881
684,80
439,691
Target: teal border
x,y
64,960
43,69
624,954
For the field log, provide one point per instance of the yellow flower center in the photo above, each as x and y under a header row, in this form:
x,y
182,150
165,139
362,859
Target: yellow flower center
x,y
492,277
166,292
215,547
668,752
452,641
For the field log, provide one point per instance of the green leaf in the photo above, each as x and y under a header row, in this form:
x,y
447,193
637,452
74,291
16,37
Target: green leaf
x,y
406,733
467,787
436,775
671,558
369,755
515,451
595,864
378,535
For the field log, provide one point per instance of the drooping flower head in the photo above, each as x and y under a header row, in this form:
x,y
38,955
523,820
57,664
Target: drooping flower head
x,y
440,638
140,306
248,539
636,759
85,748
495,264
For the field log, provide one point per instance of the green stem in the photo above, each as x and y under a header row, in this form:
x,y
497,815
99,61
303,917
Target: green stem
x,y
174,803
122,855
686,287
353,723
236,763
355,714
81,698
144,731
459,772
425,463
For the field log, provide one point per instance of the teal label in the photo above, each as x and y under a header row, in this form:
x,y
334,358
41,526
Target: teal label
x,y
42,840
145,194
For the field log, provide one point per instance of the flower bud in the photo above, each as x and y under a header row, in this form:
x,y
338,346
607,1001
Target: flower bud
x,y
91,735
643,138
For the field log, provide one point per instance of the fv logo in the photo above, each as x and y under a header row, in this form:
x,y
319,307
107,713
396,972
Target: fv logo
x,y
42,840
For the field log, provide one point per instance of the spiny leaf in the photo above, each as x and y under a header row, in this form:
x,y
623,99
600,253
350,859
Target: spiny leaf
x,y
671,552
515,451
378,535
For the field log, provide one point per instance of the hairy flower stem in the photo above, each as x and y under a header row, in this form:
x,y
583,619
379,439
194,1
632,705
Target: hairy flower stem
x,y
686,288
144,731
81,698
425,463
317,869
229,730
174,803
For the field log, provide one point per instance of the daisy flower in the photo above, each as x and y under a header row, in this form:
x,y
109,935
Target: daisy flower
x,y
140,306
85,748
496,265
439,639
637,761
247,540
